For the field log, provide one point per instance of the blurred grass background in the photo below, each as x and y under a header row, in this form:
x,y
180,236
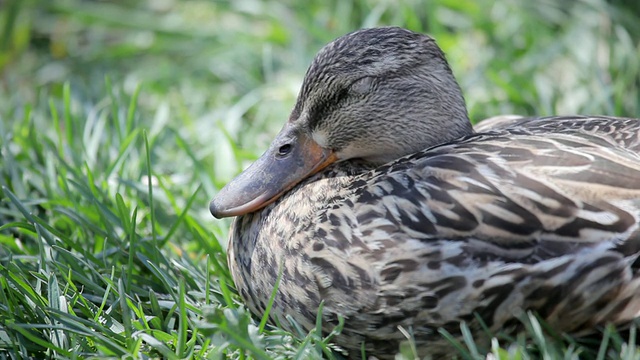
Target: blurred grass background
x,y
119,120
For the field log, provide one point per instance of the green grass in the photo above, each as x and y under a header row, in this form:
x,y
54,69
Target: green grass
x,y
120,120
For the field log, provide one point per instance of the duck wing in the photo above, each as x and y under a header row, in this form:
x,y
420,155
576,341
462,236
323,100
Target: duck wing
x,y
528,192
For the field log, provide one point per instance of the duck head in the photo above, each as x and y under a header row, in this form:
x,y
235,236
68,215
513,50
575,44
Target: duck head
x,y
374,94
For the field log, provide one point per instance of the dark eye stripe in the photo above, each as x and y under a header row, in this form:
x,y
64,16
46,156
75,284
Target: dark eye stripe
x,y
324,107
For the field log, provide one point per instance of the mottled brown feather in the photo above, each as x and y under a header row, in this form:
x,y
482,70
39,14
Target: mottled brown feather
x,y
534,214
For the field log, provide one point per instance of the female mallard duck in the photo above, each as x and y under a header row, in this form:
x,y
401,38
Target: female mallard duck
x,y
378,198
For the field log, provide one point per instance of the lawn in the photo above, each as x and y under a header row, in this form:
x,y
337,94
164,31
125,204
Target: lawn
x,y
120,120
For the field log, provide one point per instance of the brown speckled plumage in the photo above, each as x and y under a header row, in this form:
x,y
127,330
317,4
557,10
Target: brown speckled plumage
x,y
529,214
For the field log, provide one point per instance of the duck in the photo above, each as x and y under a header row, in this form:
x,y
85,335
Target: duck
x,y
381,203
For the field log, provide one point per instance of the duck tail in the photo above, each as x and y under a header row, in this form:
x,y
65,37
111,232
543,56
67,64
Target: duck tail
x,y
576,294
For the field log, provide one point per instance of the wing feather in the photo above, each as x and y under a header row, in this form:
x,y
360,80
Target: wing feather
x,y
539,182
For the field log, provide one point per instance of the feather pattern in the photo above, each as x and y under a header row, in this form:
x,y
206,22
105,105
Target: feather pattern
x,y
541,215
524,214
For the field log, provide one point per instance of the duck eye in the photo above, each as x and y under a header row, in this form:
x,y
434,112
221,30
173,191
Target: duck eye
x,y
361,86
284,150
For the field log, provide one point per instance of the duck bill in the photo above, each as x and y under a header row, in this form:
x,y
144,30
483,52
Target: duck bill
x,y
272,174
